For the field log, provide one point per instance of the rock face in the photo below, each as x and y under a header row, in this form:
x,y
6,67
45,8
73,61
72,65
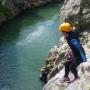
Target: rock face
x,y
56,55
76,11
81,84
72,11
14,7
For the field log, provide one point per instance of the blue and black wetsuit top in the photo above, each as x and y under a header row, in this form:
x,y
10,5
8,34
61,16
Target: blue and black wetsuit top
x,y
76,47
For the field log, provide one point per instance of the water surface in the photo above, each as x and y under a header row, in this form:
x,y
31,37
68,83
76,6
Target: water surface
x,y
24,45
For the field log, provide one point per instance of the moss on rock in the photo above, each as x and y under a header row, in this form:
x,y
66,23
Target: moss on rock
x,y
5,11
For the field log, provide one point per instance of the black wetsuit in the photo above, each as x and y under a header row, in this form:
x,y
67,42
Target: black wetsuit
x,y
78,51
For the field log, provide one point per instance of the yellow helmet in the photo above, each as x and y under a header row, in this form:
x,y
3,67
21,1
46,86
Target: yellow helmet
x,y
65,27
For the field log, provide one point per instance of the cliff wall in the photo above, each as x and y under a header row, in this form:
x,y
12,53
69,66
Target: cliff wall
x,y
77,12
11,8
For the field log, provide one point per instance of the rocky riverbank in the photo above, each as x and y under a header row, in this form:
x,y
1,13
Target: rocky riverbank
x,y
53,77
56,55
72,11
11,8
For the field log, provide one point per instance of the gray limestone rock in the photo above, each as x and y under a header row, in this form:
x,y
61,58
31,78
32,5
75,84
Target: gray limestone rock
x,y
76,11
81,84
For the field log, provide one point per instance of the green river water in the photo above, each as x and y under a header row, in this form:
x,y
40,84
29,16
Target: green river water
x,y
24,45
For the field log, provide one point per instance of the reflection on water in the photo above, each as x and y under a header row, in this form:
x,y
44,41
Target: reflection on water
x,y
32,36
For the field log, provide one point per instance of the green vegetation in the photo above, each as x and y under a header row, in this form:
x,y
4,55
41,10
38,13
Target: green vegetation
x,y
6,11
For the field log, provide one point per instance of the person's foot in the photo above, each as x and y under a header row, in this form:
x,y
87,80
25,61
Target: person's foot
x,y
64,79
75,79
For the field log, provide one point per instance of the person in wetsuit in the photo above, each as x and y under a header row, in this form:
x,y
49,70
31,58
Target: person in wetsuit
x,y
74,44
